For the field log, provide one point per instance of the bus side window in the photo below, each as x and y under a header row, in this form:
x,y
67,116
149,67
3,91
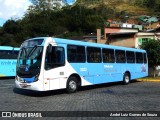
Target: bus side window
x,y
108,55
5,54
76,54
120,56
139,57
94,55
144,58
130,57
15,54
54,58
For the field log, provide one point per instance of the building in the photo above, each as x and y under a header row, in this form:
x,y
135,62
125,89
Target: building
x,y
128,37
147,19
151,26
120,36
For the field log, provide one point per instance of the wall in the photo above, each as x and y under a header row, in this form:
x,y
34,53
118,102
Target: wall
x,y
152,25
126,40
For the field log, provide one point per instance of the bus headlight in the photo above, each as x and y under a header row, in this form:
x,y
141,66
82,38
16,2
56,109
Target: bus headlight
x,y
19,79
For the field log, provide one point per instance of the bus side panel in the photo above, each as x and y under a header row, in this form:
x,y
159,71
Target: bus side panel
x,y
109,72
141,70
7,68
95,70
119,69
83,70
137,70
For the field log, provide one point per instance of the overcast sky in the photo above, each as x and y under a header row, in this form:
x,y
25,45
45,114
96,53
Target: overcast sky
x,y
14,9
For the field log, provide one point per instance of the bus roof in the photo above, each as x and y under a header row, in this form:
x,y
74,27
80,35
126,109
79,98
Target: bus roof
x,y
16,48
76,42
6,48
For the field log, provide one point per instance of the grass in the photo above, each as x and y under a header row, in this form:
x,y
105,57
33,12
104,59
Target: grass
x,y
149,79
119,6
132,9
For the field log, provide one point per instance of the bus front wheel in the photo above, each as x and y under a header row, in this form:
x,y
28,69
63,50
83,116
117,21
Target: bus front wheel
x,y
72,85
126,79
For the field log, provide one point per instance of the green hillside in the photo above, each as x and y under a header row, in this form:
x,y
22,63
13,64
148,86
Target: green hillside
x,y
132,7
82,18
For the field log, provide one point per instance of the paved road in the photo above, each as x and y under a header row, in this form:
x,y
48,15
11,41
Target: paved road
x,y
137,96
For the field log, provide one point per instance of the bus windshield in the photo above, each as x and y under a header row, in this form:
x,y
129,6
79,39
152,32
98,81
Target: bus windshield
x,y
29,61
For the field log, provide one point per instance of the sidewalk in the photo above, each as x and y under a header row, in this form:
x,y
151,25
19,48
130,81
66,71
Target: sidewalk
x,y
149,79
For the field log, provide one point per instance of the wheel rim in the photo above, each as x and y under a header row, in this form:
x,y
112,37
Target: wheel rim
x,y
126,79
72,85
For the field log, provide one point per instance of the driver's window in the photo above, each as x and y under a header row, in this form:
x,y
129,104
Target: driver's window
x,y
54,57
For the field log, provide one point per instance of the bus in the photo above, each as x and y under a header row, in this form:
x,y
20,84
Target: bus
x,y
8,59
48,63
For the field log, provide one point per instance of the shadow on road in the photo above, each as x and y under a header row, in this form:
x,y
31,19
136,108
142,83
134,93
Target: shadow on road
x,y
63,91
6,78
38,93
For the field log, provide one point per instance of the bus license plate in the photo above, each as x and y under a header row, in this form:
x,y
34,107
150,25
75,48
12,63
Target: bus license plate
x,y
24,85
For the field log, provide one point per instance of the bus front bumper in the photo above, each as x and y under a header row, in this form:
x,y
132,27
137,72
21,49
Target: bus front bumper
x,y
35,86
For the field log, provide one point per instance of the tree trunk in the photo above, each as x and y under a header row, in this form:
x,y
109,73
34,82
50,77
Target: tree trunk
x,y
154,71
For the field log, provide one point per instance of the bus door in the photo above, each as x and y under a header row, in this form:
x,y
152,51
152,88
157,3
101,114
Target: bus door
x,y
54,66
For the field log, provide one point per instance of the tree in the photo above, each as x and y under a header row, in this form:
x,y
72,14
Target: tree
x,y
153,49
43,5
11,27
149,3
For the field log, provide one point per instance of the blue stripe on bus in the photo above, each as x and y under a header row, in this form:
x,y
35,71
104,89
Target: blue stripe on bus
x,y
29,80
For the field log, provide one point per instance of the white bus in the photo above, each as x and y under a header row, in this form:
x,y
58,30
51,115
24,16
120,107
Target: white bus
x,y
47,63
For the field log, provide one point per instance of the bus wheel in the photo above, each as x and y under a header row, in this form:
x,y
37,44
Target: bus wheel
x,y
72,85
126,79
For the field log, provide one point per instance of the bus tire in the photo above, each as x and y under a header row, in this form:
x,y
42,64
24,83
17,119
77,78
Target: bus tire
x,y
72,84
126,79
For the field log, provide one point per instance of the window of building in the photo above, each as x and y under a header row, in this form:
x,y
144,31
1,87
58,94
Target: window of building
x,y
144,40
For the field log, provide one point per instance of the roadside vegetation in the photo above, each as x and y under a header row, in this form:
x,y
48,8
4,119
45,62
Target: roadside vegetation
x,y
84,17
153,52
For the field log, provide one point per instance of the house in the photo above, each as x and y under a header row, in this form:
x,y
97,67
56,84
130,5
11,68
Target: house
x,y
126,25
127,37
151,26
120,36
131,23
147,19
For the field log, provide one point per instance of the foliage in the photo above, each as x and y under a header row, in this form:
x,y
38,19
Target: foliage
x,y
46,18
153,49
50,22
151,4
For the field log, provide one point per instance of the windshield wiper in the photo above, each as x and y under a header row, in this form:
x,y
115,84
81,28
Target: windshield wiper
x,y
32,51
24,52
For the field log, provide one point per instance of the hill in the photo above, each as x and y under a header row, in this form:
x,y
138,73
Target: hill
x,y
131,7
82,18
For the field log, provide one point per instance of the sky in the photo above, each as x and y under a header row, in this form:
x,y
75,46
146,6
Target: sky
x,y
15,9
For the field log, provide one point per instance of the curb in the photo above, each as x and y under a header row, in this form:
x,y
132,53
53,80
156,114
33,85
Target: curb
x,y
145,80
